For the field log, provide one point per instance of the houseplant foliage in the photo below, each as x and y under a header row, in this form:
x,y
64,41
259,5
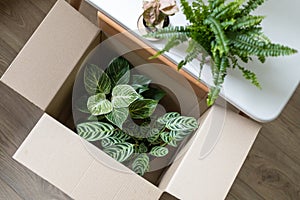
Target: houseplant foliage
x,y
155,11
121,114
228,32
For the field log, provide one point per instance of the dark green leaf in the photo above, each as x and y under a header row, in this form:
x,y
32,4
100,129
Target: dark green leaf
x,y
118,71
154,93
96,80
142,109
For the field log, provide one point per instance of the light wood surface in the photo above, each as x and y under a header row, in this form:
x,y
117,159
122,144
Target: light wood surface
x,y
271,171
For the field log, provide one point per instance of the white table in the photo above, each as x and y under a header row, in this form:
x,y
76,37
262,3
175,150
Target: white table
x,y
279,77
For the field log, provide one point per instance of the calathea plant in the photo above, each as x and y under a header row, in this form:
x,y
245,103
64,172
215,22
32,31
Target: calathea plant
x,y
228,32
121,114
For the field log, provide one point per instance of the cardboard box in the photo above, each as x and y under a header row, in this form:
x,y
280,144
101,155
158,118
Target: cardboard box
x,y
83,171
45,68
44,73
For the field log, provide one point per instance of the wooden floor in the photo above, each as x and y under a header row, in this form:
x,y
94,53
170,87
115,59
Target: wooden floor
x,y
271,171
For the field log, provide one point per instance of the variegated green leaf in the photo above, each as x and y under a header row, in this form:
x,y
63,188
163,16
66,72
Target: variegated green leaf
x,y
167,117
154,93
139,81
167,138
120,152
142,148
141,164
118,71
109,141
159,151
123,96
121,135
154,136
93,131
182,123
96,80
143,108
118,116
99,105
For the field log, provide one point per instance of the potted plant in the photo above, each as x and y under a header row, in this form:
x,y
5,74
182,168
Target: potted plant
x,y
120,110
228,32
156,13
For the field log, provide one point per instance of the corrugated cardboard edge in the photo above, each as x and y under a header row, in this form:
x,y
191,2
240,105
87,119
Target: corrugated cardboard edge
x,y
48,58
60,156
212,176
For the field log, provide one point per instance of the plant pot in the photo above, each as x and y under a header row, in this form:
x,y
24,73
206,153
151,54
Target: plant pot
x,y
144,28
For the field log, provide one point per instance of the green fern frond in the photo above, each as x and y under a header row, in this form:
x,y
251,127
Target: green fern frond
x,y
246,44
172,42
226,10
193,50
249,75
215,3
187,11
228,23
220,37
251,6
212,95
169,32
219,70
247,21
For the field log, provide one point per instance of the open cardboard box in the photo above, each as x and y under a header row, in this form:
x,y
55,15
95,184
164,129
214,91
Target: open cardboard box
x,y
83,171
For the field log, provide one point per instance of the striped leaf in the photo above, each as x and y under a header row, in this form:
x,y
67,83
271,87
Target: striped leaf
x,y
141,164
92,131
182,123
99,105
167,138
142,148
167,117
118,71
118,116
123,96
96,80
121,135
142,109
120,152
159,151
109,141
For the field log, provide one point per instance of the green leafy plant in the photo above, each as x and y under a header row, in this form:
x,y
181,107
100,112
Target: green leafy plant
x,y
228,32
121,114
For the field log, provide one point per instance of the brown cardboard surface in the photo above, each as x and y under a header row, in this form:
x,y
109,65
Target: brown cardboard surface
x,y
50,55
82,171
192,177
64,159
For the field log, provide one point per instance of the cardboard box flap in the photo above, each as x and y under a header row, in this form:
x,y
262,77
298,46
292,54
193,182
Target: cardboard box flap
x,y
51,54
61,157
194,176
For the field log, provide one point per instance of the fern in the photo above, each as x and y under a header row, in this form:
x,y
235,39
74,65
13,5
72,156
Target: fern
x,y
251,6
172,42
194,49
247,21
220,37
225,30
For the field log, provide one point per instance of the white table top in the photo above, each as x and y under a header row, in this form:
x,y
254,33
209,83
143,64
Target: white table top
x,y
279,77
